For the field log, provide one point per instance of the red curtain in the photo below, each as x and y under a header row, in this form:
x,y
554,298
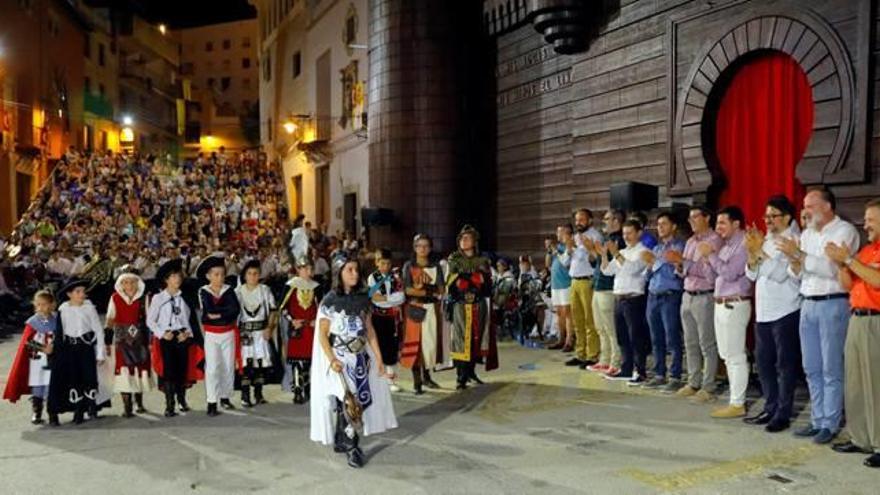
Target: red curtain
x,y
764,123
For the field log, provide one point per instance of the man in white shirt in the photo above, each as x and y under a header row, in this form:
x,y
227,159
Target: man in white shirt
x,y
777,311
59,265
630,274
824,312
581,292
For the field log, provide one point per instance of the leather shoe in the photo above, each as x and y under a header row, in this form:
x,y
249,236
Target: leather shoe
x,y
824,436
848,448
873,461
807,431
573,362
777,425
760,419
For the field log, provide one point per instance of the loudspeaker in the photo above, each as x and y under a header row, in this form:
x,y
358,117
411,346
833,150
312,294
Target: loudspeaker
x,y
633,196
376,216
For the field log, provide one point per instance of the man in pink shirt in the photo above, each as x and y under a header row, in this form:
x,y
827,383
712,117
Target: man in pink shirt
x,y
698,307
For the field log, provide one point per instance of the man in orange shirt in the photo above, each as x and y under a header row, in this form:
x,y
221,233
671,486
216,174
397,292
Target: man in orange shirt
x,y
861,275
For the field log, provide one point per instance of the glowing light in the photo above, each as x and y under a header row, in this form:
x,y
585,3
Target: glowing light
x,y
289,127
127,120
126,135
162,28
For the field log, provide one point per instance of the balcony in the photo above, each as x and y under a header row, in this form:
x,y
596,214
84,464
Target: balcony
x,y
165,84
97,105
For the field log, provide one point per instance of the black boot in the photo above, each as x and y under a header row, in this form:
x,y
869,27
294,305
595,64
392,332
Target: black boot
x,y
127,407
461,376
258,394
417,381
426,379
92,410
472,374
78,415
181,398
212,409
53,420
225,404
355,454
169,402
139,400
340,439
37,405
246,396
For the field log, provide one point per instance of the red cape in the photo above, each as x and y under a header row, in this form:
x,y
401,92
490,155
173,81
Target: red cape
x,y
194,372
17,382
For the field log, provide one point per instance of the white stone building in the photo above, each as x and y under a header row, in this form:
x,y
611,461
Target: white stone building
x,y
313,69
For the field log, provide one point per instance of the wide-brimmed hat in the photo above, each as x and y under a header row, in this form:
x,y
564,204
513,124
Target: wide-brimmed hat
x,y
253,263
168,268
206,265
69,286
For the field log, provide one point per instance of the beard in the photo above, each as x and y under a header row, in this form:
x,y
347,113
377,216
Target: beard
x,y
580,228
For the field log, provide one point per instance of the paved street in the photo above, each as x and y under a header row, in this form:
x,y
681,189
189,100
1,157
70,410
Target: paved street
x,y
535,427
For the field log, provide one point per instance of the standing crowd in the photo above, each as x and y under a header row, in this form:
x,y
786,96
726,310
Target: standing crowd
x,y
169,276
620,297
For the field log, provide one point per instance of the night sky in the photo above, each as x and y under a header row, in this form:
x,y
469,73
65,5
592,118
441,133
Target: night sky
x,y
185,13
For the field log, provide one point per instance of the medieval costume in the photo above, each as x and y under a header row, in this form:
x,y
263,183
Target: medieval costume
x,y
219,312
357,398
257,310
174,356
469,287
77,352
30,372
299,310
385,315
127,331
423,285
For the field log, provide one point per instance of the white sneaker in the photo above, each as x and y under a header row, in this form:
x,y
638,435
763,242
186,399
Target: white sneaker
x,y
394,387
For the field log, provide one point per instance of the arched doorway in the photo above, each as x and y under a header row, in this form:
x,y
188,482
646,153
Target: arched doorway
x,y
763,121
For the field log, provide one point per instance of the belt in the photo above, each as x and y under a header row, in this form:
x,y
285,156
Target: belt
x,y
254,326
699,292
218,328
828,297
666,293
865,312
588,277
353,345
87,338
733,299
628,296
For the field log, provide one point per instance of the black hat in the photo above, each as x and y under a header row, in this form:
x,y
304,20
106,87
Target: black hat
x,y
69,286
168,268
253,263
206,265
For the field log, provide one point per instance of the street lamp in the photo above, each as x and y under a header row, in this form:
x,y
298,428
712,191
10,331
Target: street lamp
x,y
162,28
127,120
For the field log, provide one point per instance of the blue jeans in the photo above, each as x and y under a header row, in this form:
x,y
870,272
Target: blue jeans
x,y
823,334
665,324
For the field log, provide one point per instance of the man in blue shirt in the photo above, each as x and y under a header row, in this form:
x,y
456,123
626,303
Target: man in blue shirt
x,y
664,301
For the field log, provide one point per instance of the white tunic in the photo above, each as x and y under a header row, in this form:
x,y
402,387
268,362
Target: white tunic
x,y
256,305
327,387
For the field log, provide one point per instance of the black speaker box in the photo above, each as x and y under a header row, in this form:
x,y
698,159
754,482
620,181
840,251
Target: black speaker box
x,y
633,196
376,216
